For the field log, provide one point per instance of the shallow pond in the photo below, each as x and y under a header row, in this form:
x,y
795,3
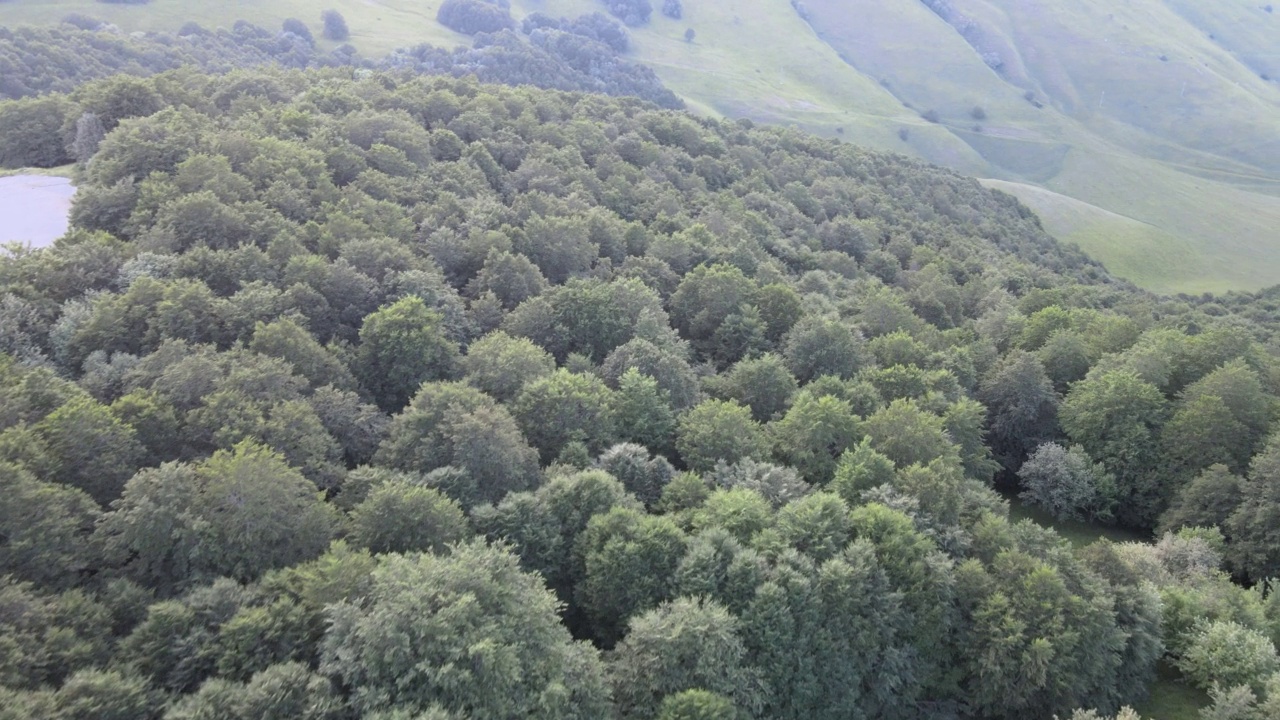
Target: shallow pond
x,y
34,209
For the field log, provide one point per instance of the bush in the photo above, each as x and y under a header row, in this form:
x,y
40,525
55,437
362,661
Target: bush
x,y
31,132
474,16
1067,483
631,12
190,28
335,26
84,22
1227,653
299,28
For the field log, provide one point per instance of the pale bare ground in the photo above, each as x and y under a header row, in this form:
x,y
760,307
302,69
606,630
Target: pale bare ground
x,y
34,209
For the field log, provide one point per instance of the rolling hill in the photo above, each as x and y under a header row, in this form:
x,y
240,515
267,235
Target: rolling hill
x,y
1151,124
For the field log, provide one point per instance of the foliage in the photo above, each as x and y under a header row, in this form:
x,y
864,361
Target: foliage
x,y
719,430
680,646
401,347
1067,484
473,609
400,517
1114,417
725,401
1228,654
238,513
474,16
335,26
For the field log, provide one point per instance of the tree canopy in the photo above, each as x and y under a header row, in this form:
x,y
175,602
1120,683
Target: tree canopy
x,y
383,395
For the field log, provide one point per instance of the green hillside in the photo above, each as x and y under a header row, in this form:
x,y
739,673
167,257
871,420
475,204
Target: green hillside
x,y
1159,112
366,395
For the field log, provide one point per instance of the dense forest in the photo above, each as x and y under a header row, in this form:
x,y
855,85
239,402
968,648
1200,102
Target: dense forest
x,y
582,54
381,395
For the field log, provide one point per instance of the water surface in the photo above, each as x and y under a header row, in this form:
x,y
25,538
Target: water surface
x,y
34,209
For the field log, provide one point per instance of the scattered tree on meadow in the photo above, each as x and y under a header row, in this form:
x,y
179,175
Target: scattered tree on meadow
x,y
335,26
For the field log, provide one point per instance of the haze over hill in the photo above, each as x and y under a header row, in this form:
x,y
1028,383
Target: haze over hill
x,y
1151,122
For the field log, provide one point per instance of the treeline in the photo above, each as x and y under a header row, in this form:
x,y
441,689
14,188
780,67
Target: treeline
x,y
39,60
582,54
578,55
404,397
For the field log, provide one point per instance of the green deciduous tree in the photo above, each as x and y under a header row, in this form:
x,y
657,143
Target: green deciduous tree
x,y
1229,654
707,296
697,704
1223,417
686,644
453,424
860,469
45,529
642,413
1040,635
90,449
477,636
763,384
817,346
287,340
665,364
1116,418
1068,484
48,637
1021,405
1207,501
32,134
639,472
1254,527
826,639
288,691
813,434
816,525
502,365
544,525
404,517
629,562
335,26
908,435
239,513
106,695
566,407
719,430
742,512
402,346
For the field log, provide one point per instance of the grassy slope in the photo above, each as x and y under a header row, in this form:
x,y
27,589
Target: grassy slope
x,y
1178,158
759,59
1136,250
1188,183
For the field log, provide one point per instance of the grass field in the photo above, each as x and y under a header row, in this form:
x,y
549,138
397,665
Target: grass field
x,y
1155,147
60,171
1171,699
1078,534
